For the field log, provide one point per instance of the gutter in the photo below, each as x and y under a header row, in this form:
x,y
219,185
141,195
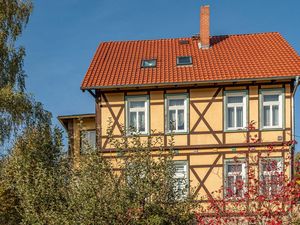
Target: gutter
x,y
186,83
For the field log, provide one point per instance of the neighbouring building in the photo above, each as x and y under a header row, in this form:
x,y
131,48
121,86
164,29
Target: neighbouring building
x,y
204,89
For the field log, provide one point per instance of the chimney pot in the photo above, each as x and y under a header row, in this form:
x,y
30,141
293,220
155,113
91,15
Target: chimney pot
x,y
204,27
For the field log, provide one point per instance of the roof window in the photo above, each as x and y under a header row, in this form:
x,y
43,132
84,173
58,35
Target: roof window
x,y
148,63
184,60
184,42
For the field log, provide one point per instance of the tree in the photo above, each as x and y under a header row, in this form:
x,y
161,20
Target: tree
x,y
137,187
16,107
30,177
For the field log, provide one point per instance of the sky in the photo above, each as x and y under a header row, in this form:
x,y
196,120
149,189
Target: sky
x,y
62,36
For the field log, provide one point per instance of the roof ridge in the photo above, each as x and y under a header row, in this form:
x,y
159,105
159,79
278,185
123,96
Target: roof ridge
x,y
178,38
250,34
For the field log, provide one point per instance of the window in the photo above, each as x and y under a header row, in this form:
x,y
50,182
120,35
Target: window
x,y
181,179
272,106
87,141
137,114
183,42
148,63
184,60
235,178
271,176
176,108
235,110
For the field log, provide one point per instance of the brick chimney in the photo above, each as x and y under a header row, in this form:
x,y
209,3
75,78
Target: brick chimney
x,y
204,27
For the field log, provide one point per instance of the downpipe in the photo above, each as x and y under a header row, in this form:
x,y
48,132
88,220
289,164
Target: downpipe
x,y
296,84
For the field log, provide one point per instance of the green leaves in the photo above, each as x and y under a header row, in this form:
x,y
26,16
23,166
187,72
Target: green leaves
x,y
14,15
17,109
30,177
39,185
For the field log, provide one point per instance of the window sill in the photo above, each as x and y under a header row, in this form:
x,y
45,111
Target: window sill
x,y
177,133
236,130
234,199
271,129
138,135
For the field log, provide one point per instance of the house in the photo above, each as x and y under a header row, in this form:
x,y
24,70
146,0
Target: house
x,y
222,97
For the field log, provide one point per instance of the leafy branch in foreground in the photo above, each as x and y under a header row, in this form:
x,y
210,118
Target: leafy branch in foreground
x,y
132,185
32,177
17,108
40,186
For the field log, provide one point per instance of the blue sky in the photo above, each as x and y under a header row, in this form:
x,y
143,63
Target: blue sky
x,y
62,36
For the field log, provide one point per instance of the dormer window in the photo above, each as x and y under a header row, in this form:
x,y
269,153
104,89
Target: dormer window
x,y
184,60
148,63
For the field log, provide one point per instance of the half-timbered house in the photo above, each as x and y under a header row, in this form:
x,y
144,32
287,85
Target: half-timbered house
x,y
220,96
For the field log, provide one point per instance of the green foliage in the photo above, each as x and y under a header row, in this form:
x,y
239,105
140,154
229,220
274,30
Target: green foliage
x,y
39,185
31,176
134,188
16,107
8,202
14,15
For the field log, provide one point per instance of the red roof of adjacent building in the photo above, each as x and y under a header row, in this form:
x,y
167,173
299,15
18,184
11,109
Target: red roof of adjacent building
x,y
232,57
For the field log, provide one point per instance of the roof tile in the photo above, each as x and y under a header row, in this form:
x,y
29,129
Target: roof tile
x,y
248,56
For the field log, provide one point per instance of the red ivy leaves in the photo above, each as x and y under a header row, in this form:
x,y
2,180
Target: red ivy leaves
x,y
270,208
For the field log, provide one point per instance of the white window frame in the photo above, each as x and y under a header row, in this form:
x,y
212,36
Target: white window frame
x,y
176,108
84,143
235,174
184,176
270,173
244,105
145,109
280,103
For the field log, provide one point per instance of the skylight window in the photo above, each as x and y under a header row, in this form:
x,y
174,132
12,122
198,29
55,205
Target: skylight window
x,y
184,42
184,60
148,63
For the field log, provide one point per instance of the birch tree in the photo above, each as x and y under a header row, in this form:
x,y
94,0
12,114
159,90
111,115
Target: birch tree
x,y
17,108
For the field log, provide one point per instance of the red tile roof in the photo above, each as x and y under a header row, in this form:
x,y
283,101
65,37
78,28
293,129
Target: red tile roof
x,y
232,57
